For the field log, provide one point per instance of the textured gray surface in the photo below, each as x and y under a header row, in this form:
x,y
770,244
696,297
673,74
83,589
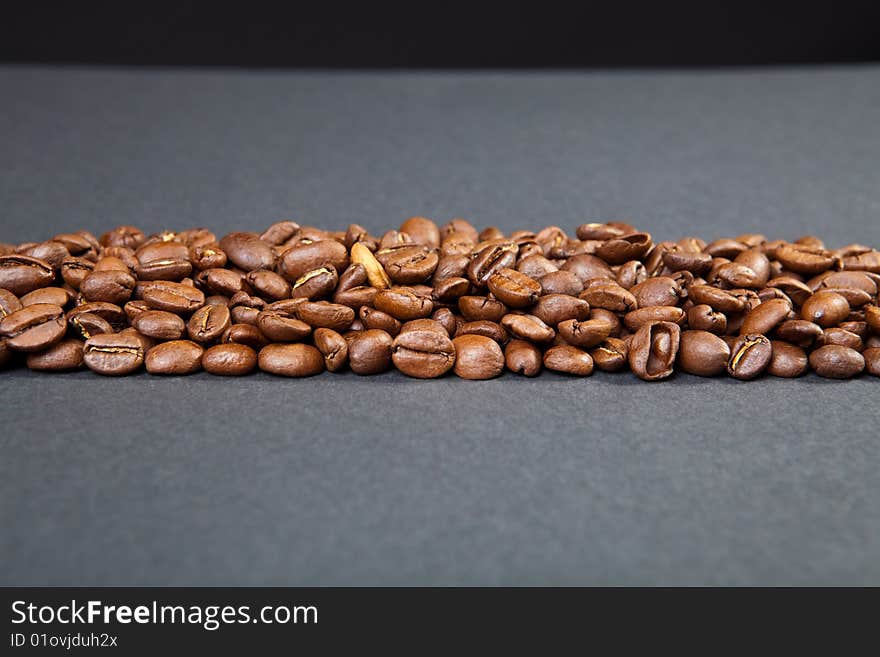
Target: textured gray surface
x,y
385,480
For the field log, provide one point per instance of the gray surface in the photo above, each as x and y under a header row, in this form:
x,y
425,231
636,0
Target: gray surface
x,y
385,480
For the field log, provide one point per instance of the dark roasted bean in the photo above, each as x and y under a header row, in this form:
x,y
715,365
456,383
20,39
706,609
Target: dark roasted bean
x,y
295,360
477,357
174,357
114,354
749,356
837,362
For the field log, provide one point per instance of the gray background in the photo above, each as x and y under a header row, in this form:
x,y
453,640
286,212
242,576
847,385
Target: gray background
x,y
387,480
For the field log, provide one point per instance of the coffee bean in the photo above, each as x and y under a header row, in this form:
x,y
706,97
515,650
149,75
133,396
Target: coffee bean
x,y
584,334
112,286
56,296
302,258
514,289
702,353
658,291
723,301
475,308
210,256
20,274
611,355
490,259
491,330
423,353
333,347
173,297
477,357
523,358
804,260
799,332
370,352
552,309
114,354
407,264
423,231
208,323
872,317
527,327
825,309
247,251
63,356
245,334
159,324
166,261
450,290
280,232
568,360
837,362
323,314
749,356
787,361
375,272
872,360
609,296
653,350
281,326
33,328
230,359
636,318
316,283
174,357
403,303
840,337
295,360
9,303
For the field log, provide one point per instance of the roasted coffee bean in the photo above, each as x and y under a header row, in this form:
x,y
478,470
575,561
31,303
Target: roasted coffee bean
x,y
787,361
375,272
617,250
9,303
723,301
680,260
112,286
749,356
281,326
872,360
611,355
333,347
221,281
477,357
527,327
449,290
568,360
159,324
560,282
114,354
315,284
128,236
555,308
491,330
295,360
702,353
514,289
370,352
74,270
766,317
63,356
837,362
609,296
423,231
210,256
825,309
229,359
523,358
803,259
872,318
85,325
585,334
303,258
208,323
490,259
57,296
280,232
474,308
52,253
403,303
33,328
376,319
636,318
799,332
166,261
448,320
20,274
840,337
173,297
174,357
245,334
536,266
323,314
423,353
659,291
247,251
407,264
653,350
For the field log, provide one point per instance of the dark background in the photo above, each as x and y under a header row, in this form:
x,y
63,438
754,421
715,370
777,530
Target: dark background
x,y
440,35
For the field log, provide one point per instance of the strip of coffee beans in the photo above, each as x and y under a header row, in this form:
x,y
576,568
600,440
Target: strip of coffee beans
x,y
431,299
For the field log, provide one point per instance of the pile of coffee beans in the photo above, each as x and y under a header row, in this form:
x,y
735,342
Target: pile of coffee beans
x,y
429,299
